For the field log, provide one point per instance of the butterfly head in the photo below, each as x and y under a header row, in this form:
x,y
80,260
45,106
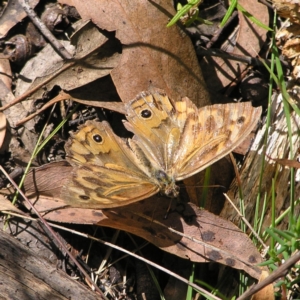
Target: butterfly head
x,y
167,184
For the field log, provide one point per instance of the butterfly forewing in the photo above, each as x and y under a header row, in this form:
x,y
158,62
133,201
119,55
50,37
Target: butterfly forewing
x,y
220,128
106,172
150,118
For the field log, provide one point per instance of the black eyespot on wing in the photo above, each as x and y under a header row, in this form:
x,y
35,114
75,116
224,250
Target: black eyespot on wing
x,y
97,138
84,197
146,113
241,120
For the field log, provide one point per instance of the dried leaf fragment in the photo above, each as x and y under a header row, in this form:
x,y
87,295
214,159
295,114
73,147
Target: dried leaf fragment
x,y
12,15
288,9
2,128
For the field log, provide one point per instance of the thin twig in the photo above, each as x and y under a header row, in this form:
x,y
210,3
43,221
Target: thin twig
x,y
60,97
221,30
61,50
246,222
280,272
37,87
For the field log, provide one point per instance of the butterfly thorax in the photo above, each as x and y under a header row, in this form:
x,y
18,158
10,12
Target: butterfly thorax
x,y
167,184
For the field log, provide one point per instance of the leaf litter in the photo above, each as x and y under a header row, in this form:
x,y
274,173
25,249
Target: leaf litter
x,y
125,49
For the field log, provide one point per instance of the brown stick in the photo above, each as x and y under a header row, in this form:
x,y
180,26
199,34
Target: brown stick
x,y
280,272
61,50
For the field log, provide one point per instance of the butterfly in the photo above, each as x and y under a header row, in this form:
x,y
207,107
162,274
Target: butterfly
x,y
172,140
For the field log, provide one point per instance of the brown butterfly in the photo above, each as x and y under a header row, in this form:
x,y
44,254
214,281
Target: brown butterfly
x,y
172,141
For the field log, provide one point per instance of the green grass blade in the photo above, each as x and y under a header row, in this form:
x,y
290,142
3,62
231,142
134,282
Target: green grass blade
x,y
252,18
229,12
184,10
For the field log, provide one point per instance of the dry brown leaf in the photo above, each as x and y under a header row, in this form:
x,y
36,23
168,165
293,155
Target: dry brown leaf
x,y
249,40
2,128
152,55
288,40
287,162
243,148
267,293
218,183
199,235
291,48
288,9
7,206
6,73
49,178
114,106
203,236
287,31
94,57
12,15
13,115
